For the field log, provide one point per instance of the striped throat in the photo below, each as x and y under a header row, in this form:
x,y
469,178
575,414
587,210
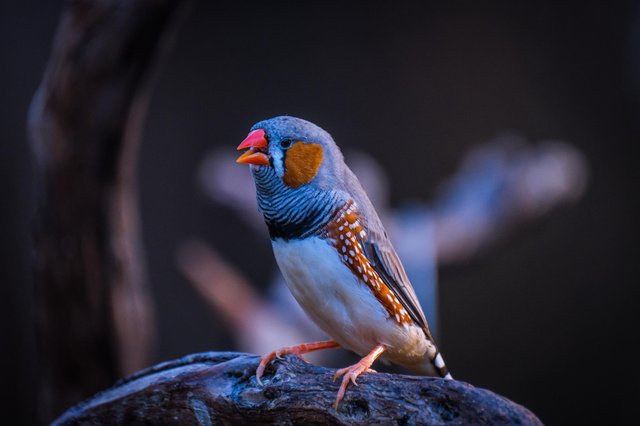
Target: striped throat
x,y
293,213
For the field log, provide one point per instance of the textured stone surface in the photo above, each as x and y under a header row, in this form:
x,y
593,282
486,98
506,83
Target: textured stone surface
x,y
220,388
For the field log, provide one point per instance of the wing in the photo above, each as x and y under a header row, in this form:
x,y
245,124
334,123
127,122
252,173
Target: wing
x,y
380,254
385,261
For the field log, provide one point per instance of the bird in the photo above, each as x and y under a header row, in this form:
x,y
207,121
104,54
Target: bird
x,y
334,253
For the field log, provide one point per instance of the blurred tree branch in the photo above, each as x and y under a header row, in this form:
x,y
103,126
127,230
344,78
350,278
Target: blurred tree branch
x,y
220,388
93,312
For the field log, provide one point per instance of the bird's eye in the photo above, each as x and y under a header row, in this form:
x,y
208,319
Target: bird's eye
x,y
285,144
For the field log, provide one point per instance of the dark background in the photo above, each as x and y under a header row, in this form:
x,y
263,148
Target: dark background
x,y
546,317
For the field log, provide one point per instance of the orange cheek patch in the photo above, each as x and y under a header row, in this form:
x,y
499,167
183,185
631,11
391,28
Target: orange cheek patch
x,y
302,163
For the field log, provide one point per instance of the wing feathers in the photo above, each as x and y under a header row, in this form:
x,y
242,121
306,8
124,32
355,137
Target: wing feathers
x,y
385,261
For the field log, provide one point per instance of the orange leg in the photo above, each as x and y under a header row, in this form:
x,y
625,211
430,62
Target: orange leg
x,y
303,348
351,373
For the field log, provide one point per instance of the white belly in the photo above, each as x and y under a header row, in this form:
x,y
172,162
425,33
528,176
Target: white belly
x,y
346,309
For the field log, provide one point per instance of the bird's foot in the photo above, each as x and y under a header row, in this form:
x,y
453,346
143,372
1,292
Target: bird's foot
x,y
297,350
350,374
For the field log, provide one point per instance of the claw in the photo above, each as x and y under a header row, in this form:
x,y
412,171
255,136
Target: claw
x,y
291,350
340,372
350,374
264,361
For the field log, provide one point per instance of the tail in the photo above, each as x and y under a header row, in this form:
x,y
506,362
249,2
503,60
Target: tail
x,y
441,368
432,365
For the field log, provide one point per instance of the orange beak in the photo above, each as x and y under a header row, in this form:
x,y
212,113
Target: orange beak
x,y
256,141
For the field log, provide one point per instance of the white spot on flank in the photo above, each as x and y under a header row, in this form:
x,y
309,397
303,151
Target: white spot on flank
x,y
341,237
397,317
351,261
351,252
341,228
364,277
448,377
344,249
346,223
348,243
359,269
390,298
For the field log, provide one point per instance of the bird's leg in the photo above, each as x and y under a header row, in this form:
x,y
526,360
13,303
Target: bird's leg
x,y
351,373
303,348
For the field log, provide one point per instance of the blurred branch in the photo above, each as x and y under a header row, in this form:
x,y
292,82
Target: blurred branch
x,y
94,313
220,388
501,185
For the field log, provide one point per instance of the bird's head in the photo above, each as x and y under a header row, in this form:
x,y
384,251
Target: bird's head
x,y
299,152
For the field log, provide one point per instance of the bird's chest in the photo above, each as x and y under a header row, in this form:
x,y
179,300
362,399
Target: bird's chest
x,y
330,293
